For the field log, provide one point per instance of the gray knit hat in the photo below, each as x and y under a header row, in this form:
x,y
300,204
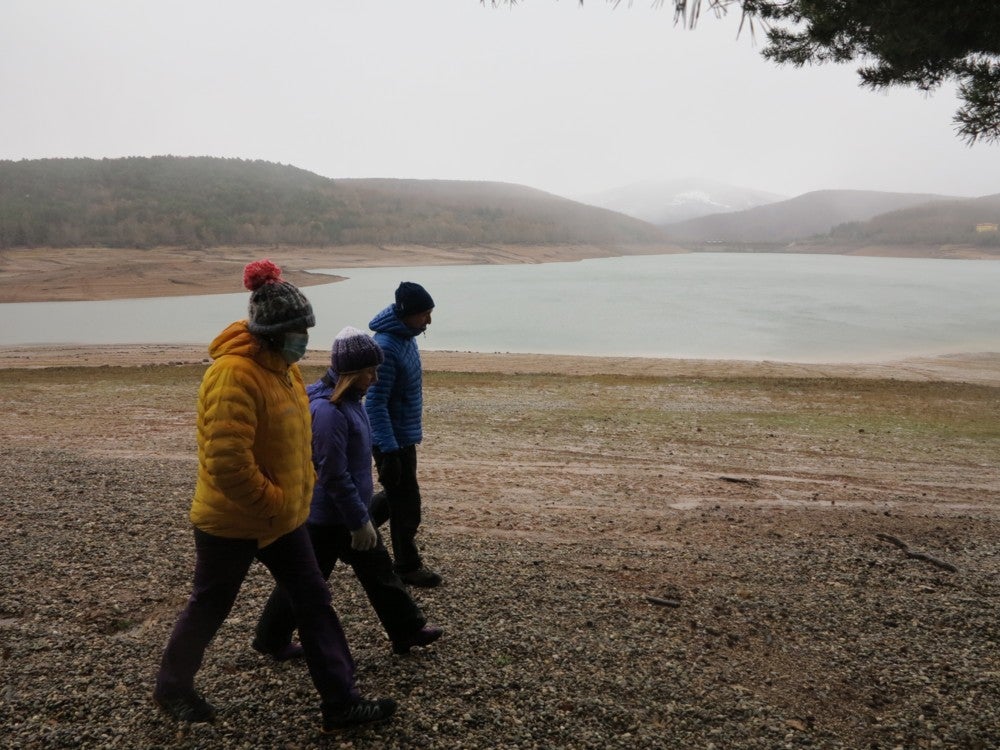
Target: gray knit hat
x,y
353,350
276,306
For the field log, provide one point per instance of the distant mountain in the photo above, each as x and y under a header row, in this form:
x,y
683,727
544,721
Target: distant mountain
x,y
671,201
208,202
797,218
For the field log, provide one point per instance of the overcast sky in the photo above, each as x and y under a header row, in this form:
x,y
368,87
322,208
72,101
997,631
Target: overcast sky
x,y
547,94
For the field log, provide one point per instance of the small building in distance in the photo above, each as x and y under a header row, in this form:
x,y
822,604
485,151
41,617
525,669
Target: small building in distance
x,y
986,227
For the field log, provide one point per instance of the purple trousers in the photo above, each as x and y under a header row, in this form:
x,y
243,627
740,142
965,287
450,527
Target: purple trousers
x,y
221,565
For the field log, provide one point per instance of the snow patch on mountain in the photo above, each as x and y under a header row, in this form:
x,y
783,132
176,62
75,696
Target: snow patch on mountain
x,y
668,202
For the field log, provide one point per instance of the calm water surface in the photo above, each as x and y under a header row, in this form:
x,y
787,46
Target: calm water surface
x,y
804,308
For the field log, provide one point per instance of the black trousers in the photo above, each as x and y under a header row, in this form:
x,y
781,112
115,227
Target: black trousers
x,y
395,608
399,503
220,566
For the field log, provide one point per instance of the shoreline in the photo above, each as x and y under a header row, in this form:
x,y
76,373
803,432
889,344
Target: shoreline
x,y
973,368
92,274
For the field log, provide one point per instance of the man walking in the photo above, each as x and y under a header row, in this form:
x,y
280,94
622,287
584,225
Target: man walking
x,y
395,409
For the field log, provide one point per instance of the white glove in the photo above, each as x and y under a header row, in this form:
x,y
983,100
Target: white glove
x,y
364,539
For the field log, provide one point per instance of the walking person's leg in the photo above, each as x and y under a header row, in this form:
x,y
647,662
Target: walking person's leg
x,y
292,562
220,566
400,616
273,635
405,515
378,509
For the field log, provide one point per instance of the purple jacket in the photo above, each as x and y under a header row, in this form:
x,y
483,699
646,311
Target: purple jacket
x,y
342,455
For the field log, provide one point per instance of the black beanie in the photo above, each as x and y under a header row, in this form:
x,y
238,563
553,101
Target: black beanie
x,y
411,298
276,306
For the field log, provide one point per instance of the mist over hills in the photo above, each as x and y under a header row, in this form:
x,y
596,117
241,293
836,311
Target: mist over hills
x,y
205,201
667,202
715,216
199,202
804,216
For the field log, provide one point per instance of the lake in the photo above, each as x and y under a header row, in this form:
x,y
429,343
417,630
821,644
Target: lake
x,y
782,307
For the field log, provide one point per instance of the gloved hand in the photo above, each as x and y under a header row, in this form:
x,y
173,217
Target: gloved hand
x,y
364,539
390,469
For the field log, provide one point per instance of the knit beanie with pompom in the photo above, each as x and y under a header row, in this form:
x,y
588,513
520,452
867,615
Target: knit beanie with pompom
x,y
276,306
353,350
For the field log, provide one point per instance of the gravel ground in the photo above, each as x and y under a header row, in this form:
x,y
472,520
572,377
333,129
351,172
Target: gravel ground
x,y
630,563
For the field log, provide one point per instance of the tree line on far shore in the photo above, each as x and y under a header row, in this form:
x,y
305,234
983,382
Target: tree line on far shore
x,y
198,202
971,221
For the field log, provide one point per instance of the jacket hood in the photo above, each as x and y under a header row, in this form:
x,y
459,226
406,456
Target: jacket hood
x,y
319,390
388,322
237,340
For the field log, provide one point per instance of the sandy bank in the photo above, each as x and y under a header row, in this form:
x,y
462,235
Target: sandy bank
x,y
85,274
982,369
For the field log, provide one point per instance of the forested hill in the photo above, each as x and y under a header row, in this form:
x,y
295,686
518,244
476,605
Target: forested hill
x,y
204,202
939,223
806,215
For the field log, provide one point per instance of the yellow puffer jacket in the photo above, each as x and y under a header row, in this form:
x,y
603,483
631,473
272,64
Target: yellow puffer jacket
x,y
255,470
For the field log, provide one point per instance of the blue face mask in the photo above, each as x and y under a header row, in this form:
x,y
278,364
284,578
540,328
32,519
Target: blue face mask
x,y
294,347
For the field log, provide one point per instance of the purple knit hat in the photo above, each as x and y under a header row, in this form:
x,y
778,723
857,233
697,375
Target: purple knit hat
x,y
353,349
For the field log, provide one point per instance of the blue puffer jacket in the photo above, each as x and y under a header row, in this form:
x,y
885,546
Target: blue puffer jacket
x,y
395,403
342,455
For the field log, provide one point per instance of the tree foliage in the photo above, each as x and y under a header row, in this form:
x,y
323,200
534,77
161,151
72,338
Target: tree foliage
x,y
206,202
942,223
919,43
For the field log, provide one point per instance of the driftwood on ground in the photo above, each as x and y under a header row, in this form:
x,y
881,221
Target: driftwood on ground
x,y
750,482
917,555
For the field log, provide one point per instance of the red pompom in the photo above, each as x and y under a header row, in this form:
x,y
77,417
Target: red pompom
x,y
260,272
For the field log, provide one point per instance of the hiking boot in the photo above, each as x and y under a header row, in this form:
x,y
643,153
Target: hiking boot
x,y
422,577
423,637
190,707
286,653
356,714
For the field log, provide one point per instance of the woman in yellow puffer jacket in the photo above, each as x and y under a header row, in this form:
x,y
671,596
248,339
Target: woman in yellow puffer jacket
x,y
255,482
255,474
